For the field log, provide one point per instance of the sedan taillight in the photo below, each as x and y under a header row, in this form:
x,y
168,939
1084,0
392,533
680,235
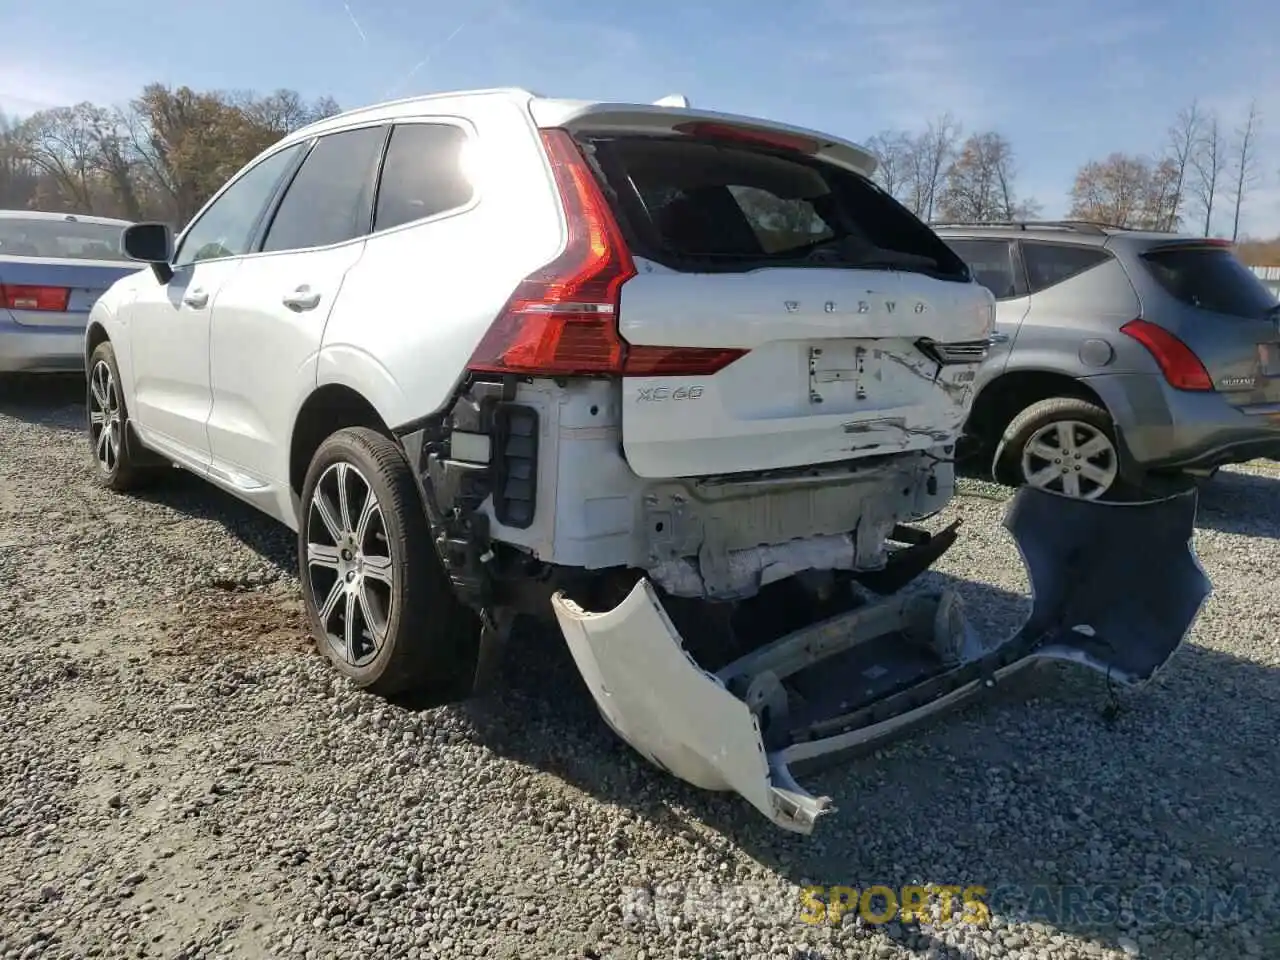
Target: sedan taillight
x,y
25,297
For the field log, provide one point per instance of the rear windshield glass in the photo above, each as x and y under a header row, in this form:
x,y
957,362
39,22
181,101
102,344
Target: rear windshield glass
x,y
69,239
707,205
1210,278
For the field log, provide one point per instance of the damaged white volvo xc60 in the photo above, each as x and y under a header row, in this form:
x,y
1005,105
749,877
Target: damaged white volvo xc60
x,y
674,380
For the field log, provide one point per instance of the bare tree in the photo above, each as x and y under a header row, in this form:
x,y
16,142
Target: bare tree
x,y
1118,191
58,143
18,177
932,153
283,111
1183,140
892,150
1160,198
1243,165
1207,162
979,185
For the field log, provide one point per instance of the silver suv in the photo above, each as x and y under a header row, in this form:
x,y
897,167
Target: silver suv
x,y
1123,359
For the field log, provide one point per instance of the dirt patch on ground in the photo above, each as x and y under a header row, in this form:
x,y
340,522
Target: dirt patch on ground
x,y
214,624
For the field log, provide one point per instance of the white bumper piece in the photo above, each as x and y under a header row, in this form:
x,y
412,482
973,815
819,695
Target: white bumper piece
x,y
672,711
1115,587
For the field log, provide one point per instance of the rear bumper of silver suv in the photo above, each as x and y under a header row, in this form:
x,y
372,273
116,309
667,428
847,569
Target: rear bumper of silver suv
x,y
1161,428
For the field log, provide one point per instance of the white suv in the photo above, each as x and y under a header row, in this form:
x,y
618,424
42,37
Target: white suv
x,y
492,354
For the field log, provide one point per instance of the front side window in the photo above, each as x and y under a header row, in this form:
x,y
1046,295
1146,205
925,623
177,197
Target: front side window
x,y
423,175
227,226
331,198
992,263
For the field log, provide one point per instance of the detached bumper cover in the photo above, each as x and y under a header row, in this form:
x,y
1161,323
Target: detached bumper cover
x,y
1116,588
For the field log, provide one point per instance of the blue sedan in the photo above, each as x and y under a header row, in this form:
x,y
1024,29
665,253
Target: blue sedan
x,y
53,267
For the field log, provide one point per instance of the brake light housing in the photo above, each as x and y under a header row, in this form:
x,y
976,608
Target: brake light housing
x,y
778,140
562,319
1180,366
30,297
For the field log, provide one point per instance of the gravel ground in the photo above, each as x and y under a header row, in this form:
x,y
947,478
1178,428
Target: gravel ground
x,y
181,777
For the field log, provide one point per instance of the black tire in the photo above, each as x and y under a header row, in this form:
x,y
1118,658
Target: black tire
x,y
115,448
430,640
1007,465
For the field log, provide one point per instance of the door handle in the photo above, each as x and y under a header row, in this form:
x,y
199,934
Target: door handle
x,y
196,298
303,298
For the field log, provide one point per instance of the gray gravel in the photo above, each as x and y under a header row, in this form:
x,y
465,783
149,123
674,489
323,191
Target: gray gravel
x,y
180,776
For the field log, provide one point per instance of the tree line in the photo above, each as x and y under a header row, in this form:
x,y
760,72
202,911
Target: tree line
x,y
158,158
1198,180
163,154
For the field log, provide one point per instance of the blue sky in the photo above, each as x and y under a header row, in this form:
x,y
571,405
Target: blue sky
x,y
1065,81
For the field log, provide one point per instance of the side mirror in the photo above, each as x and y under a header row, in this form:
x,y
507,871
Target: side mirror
x,y
150,243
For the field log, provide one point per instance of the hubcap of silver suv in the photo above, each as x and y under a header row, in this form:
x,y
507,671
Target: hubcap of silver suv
x,y
349,566
1072,458
104,416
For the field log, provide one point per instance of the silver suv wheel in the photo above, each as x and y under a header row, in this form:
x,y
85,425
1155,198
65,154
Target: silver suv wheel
x,y
1070,457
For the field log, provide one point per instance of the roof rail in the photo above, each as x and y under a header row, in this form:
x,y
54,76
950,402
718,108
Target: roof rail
x,y
1079,226
441,95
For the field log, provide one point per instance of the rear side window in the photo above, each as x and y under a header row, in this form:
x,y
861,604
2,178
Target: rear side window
x,y
1210,278
331,198
709,205
1049,264
993,264
423,174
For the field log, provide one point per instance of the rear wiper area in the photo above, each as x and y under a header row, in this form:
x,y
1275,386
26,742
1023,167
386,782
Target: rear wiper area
x,y
848,252
852,252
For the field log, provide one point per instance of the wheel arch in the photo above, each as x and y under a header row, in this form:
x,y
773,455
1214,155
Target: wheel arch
x,y
95,335
327,409
1013,391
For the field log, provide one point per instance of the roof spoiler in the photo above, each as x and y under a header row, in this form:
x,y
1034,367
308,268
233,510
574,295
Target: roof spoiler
x,y
677,100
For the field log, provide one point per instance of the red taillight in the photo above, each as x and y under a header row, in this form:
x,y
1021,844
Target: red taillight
x,y
562,320
17,297
1181,368
760,138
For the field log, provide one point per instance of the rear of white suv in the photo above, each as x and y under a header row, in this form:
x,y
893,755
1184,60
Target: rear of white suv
x,y
692,371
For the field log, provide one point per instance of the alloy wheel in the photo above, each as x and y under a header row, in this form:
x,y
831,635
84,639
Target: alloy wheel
x,y
1070,457
349,564
104,416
